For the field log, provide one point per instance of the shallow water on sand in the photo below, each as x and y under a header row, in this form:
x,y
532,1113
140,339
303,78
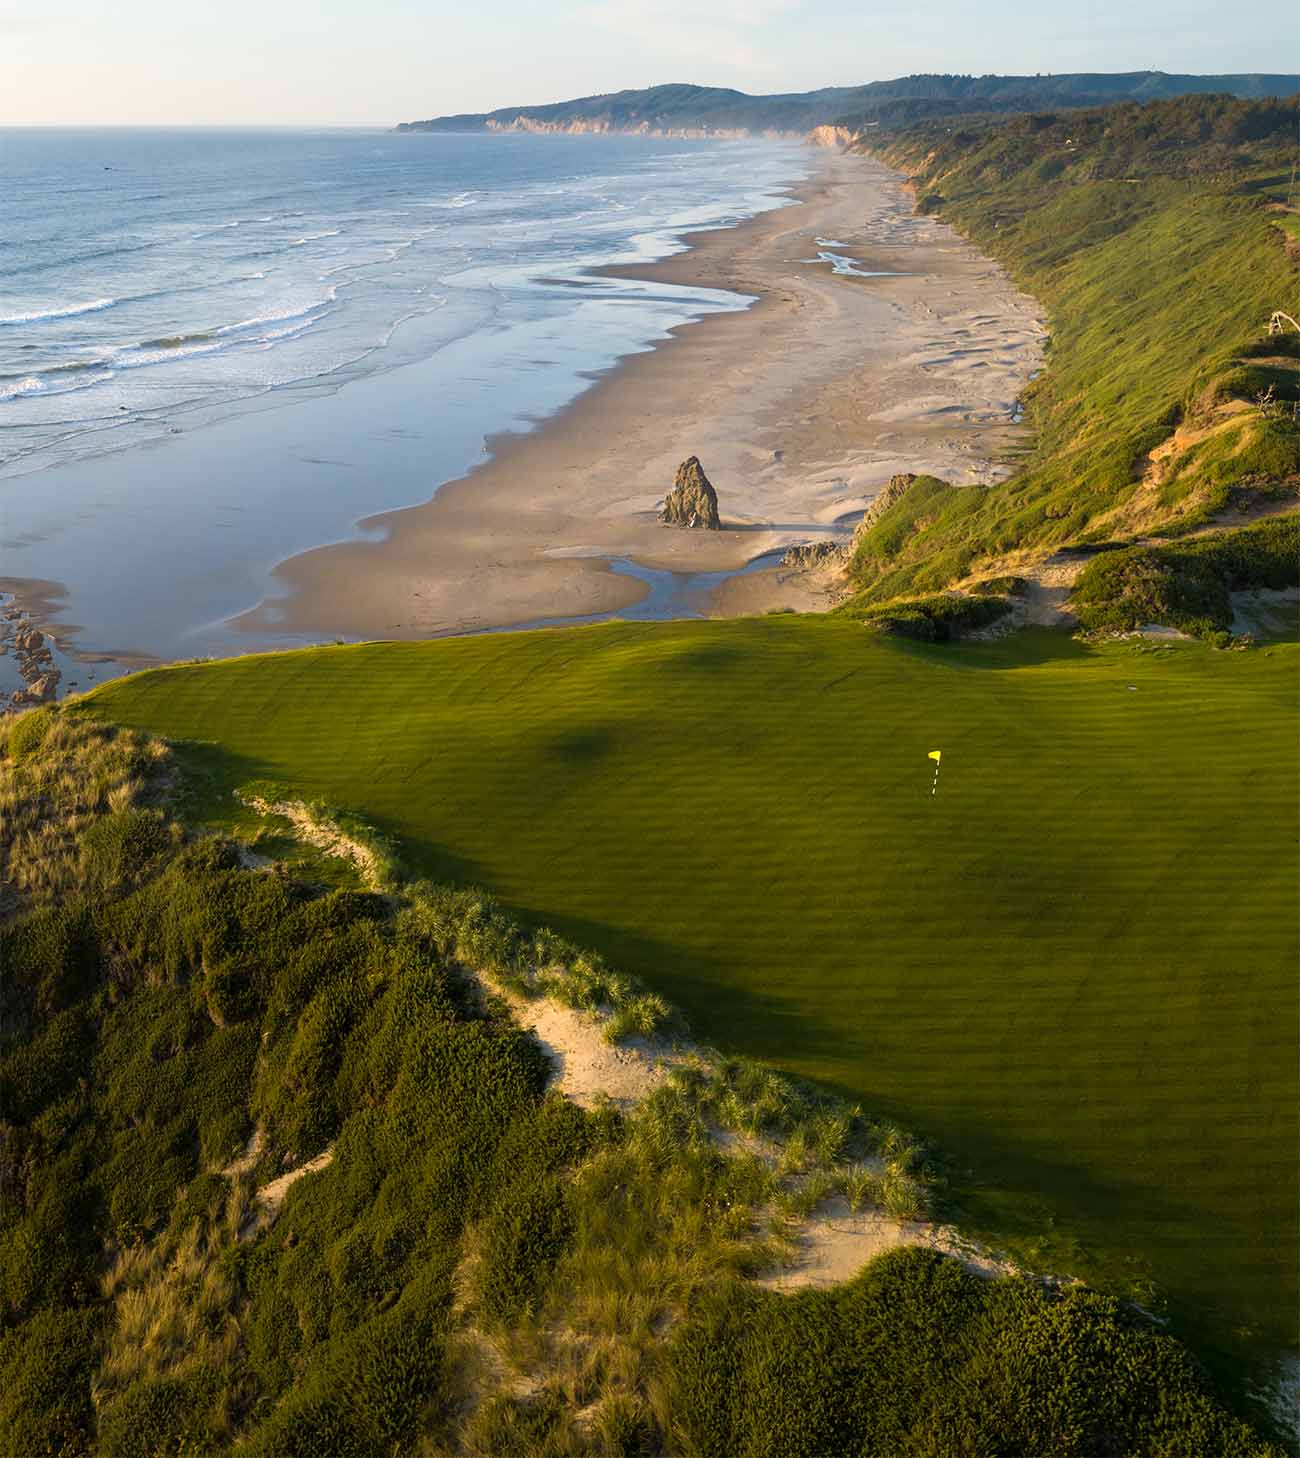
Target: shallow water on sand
x,y
218,349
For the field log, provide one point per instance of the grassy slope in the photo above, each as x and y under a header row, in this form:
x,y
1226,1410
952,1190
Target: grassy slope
x,y
1074,966
1154,285
162,1003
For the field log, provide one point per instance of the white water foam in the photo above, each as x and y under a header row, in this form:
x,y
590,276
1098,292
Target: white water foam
x,y
67,311
17,388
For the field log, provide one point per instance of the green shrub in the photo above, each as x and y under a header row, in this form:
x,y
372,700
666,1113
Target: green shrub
x,y
26,733
1187,585
918,1357
936,619
540,1427
523,1239
45,1402
124,847
162,1415
50,958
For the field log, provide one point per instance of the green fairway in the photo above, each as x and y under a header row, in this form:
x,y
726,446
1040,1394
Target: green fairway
x,y
1074,967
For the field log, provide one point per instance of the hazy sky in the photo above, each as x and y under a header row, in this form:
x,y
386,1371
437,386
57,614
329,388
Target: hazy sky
x,y
382,61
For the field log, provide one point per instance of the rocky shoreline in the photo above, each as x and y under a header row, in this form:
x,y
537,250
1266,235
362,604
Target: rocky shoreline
x,y
31,652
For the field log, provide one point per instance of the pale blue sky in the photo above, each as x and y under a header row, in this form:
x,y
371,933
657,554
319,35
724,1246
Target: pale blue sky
x,y
383,61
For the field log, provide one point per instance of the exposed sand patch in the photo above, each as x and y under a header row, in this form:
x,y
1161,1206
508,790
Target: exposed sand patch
x,y
800,408
267,1201
1224,418
252,1153
834,1244
1266,611
1048,584
588,1068
271,1197
324,835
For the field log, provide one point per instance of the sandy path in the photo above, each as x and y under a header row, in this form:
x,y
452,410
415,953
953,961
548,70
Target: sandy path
x,y
800,408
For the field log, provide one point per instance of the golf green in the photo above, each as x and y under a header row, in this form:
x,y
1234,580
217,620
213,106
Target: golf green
x,y
1074,967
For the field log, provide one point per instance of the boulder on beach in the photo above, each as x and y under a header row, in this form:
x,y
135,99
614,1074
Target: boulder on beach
x,y
692,502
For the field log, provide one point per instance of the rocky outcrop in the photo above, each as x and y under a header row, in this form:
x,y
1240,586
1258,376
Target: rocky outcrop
x,y
893,490
692,502
807,556
35,661
812,554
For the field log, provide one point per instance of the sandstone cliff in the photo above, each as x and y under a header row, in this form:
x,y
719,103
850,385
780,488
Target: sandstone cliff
x,y
830,136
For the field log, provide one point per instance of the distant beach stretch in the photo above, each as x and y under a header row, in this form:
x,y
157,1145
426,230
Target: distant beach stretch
x,y
805,355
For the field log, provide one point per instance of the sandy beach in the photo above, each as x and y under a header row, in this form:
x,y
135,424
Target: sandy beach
x,y
800,408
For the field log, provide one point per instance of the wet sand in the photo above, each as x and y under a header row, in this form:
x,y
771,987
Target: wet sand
x,y
800,408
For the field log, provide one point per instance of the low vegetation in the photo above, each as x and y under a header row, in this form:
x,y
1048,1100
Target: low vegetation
x,y
61,778
932,958
1188,585
474,1265
1149,234
937,619
824,1373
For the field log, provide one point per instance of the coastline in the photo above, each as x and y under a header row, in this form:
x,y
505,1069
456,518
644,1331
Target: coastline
x,y
800,408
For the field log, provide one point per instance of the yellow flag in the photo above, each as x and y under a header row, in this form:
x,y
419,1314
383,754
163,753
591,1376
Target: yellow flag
x,y
936,754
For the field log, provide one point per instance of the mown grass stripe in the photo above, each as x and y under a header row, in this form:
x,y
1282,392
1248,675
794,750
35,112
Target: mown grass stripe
x,y
1074,966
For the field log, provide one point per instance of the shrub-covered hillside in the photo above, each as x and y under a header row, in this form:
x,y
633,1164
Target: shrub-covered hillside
x,y
278,1174
1160,240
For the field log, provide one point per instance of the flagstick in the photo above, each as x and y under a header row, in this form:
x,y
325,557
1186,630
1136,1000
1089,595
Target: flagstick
x,y
934,787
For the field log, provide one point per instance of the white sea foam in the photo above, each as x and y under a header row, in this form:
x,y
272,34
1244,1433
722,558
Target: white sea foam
x,y
230,337
14,389
461,200
280,317
58,382
66,311
211,310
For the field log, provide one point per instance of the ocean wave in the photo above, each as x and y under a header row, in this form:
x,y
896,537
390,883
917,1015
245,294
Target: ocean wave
x,y
33,385
66,311
312,237
461,200
15,389
213,231
247,334
282,316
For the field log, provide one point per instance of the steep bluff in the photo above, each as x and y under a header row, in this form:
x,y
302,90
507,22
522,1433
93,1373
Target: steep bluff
x,y
831,136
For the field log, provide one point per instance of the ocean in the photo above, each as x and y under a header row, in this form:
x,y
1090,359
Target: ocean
x,y
182,312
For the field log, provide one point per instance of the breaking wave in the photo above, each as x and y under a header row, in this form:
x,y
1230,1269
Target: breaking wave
x,y
66,311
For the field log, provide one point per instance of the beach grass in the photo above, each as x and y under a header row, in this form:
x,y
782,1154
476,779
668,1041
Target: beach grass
x,y
1072,967
1158,260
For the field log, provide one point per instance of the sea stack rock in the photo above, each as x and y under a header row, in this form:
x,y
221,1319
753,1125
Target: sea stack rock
x,y
692,502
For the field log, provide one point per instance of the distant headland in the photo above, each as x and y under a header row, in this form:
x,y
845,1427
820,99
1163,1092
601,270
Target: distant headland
x,y
835,113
